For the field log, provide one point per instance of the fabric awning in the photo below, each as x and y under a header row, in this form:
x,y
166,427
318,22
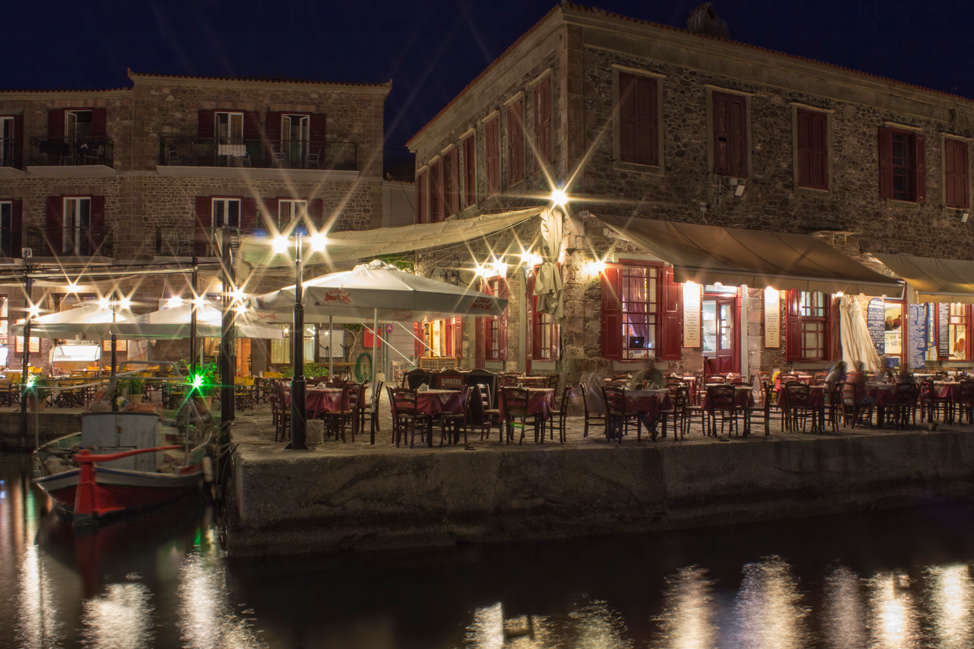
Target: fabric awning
x,y
936,280
351,245
709,254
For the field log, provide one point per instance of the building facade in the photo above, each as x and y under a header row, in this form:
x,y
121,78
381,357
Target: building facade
x,y
671,144
145,175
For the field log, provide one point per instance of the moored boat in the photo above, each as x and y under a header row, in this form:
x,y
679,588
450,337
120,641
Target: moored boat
x,y
120,462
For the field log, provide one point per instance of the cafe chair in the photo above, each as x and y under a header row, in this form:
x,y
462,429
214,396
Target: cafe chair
x,y
798,406
312,160
488,415
932,405
559,417
452,424
591,417
721,402
617,418
905,401
965,401
348,417
854,404
406,417
515,407
372,411
281,418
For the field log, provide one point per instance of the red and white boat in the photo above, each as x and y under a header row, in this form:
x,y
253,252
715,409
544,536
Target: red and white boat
x,y
120,462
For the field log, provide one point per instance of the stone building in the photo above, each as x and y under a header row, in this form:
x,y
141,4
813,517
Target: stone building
x,y
143,176
722,198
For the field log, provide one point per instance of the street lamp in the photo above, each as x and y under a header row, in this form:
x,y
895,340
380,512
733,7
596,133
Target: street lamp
x,y
299,423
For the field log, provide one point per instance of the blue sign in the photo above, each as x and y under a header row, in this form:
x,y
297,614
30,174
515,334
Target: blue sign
x,y
943,324
876,324
916,346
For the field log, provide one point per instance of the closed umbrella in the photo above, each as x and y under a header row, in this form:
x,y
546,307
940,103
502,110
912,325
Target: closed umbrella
x,y
547,282
857,345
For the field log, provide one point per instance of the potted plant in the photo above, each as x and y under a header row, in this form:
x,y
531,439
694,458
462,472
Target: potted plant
x,y
133,388
37,392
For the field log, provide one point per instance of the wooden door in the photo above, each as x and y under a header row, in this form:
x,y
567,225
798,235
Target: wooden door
x,y
726,352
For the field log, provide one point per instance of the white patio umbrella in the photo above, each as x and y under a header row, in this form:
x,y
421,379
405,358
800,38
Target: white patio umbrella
x,y
857,346
174,322
89,320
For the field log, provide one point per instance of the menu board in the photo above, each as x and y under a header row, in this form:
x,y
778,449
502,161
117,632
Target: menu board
x,y
772,319
691,315
943,329
876,324
916,347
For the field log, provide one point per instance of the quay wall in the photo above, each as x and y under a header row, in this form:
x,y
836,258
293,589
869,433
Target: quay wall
x,y
288,502
52,423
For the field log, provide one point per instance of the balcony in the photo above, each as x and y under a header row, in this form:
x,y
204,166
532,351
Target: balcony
x,y
70,242
187,151
11,154
63,152
186,242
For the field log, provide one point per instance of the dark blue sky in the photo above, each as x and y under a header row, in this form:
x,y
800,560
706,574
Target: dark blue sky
x,y
432,48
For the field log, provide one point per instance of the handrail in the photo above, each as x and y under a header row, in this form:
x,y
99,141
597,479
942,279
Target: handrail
x,y
86,456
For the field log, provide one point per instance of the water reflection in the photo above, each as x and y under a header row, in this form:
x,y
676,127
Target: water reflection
x,y
596,626
689,619
768,611
951,600
843,611
491,630
121,618
205,617
893,617
38,624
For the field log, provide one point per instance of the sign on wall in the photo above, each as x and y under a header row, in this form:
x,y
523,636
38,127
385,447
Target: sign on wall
x,y
691,315
943,324
876,324
917,344
772,318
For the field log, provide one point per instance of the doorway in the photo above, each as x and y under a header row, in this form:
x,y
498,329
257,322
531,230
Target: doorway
x,y
720,339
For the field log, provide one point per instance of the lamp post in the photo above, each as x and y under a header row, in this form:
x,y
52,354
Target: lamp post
x,y
25,375
113,380
227,333
298,396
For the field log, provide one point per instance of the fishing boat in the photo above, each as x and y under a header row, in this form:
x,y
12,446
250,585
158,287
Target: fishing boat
x,y
119,463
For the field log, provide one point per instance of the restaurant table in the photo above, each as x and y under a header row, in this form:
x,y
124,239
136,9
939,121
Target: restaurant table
x,y
649,402
950,391
322,400
743,398
434,402
815,403
532,381
541,401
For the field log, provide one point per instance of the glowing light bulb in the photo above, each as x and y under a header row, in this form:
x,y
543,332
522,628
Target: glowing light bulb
x,y
174,301
33,311
318,241
125,303
103,303
280,245
238,295
559,197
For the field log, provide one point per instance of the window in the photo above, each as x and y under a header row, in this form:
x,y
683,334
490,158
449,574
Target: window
x,y
902,165
229,128
451,179
436,191
75,236
9,141
956,193
730,135
630,310
78,124
226,213
813,149
958,329
808,326
515,143
495,326
4,320
281,349
469,172
638,119
545,334
289,211
492,145
295,134
421,194
542,121
7,230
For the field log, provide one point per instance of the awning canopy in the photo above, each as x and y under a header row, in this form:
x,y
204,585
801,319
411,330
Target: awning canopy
x,y
708,254
936,280
351,245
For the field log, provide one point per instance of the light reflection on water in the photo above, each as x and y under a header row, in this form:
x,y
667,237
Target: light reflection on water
x,y
167,584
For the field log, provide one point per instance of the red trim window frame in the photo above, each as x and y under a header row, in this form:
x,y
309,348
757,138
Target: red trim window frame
x,y
956,183
638,120
632,309
515,142
469,170
545,334
813,149
902,165
959,332
809,326
495,326
492,153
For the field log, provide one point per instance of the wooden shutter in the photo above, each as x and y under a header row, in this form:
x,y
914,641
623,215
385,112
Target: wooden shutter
x,y
885,163
469,171
835,331
793,325
921,169
97,221
16,227
542,121
492,146
18,157
737,123
417,341
638,120
55,123
515,143
316,212
269,216
611,313
99,122
272,129
671,320
206,124
955,174
502,292
251,126
248,214
317,124
628,123
721,135
451,168
421,196
813,159
458,337
55,224
204,220
436,192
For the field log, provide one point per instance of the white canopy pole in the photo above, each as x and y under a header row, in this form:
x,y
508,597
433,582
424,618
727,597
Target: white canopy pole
x,y
375,341
331,347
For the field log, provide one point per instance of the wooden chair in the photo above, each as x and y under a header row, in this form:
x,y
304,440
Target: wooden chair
x,y
932,405
965,402
905,403
617,417
372,411
559,417
854,403
721,399
451,424
488,414
515,402
346,419
281,417
406,417
798,408
680,397
590,417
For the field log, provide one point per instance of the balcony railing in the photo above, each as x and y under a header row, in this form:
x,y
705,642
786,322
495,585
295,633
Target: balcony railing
x,y
52,151
11,153
206,152
70,242
184,242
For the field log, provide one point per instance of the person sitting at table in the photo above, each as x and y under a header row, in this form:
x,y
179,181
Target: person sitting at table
x,y
836,375
648,378
905,376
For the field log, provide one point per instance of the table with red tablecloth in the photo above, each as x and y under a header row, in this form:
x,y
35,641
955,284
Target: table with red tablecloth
x,y
541,401
434,402
743,398
322,400
815,403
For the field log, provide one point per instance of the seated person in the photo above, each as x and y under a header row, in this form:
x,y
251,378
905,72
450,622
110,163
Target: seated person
x,y
648,378
836,375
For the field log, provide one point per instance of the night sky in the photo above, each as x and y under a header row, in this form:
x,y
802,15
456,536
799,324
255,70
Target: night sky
x,y
431,49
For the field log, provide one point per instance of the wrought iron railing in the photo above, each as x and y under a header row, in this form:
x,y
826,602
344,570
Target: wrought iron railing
x,y
11,153
207,152
70,242
183,242
50,151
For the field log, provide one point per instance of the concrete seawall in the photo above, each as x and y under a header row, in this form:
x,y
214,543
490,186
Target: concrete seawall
x,y
352,497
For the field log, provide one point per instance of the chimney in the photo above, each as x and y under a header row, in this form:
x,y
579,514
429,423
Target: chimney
x,y
704,20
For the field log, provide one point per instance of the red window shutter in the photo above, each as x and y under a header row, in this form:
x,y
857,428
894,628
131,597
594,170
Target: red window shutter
x,y
18,157
611,313
515,143
206,124
820,151
16,227
272,128
268,207
251,126
721,120
493,156
647,136
97,220
671,322
55,123
204,219
317,124
458,337
99,122
316,212
793,333
921,169
628,122
450,180
418,339
421,194
834,328
55,224
955,174
885,163
248,214
469,171
542,121
480,343
737,122
439,195
502,292
804,127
